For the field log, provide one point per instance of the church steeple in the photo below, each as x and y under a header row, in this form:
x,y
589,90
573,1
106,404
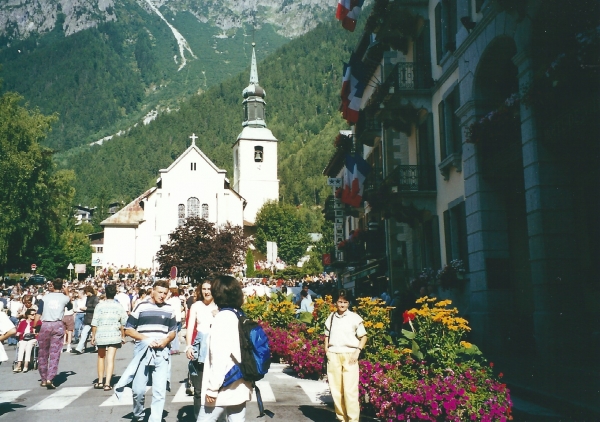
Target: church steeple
x,y
254,103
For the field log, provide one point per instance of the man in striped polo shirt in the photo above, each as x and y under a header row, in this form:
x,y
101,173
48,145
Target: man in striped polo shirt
x,y
152,325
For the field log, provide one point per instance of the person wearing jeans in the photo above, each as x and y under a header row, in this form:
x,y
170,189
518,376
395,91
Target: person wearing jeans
x,y
79,308
152,325
90,306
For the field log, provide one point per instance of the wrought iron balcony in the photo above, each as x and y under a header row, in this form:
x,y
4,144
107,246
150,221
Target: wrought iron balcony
x,y
412,76
367,128
413,178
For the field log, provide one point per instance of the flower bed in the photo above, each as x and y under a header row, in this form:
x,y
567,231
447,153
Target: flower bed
x,y
430,374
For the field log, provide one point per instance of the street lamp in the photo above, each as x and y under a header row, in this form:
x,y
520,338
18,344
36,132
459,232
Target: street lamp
x,y
70,268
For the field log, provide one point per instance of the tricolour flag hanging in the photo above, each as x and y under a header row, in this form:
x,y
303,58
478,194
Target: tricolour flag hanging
x,y
355,172
347,12
347,180
345,89
353,87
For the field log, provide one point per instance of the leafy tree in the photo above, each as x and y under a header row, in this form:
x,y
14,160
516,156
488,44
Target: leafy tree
x,y
34,199
314,265
250,271
281,223
199,248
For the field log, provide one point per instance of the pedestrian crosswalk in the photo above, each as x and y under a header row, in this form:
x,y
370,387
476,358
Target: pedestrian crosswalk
x,y
313,392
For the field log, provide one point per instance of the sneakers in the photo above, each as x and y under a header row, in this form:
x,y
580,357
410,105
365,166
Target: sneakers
x,y
76,352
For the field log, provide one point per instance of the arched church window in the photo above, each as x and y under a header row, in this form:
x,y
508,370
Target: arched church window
x,y
258,154
205,211
180,215
193,205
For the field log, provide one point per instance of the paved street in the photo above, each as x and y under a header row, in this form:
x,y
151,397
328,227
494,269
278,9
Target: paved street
x,y
22,399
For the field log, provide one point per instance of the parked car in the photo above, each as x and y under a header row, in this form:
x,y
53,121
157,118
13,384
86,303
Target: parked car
x,y
36,280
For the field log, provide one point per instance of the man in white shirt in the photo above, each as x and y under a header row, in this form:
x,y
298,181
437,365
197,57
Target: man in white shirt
x,y
124,299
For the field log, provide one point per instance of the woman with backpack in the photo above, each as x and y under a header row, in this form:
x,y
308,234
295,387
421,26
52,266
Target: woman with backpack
x,y
223,353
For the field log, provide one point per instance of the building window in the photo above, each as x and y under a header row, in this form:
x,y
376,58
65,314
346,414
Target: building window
x,y
193,166
445,27
99,249
205,211
455,232
258,154
450,134
180,215
193,205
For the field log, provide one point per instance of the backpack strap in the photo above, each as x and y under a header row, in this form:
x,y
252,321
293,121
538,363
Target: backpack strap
x,y
238,312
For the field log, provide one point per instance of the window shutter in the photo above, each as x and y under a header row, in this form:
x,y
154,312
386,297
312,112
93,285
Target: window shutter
x,y
438,32
442,122
456,131
448,236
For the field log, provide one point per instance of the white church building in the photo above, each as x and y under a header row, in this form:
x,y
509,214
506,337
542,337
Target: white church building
x,y
193,186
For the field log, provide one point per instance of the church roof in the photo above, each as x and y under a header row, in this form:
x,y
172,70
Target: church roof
x,y
130,214
256,134
193,147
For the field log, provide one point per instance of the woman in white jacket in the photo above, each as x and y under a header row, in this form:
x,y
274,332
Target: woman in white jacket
x,y
223,354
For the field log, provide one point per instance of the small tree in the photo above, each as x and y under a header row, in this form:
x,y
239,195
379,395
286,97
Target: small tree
x,y
250,271
199,248
281,223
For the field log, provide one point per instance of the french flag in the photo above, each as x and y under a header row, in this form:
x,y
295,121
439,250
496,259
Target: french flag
x,y
351,103
345,94
347,12
354,102
355,173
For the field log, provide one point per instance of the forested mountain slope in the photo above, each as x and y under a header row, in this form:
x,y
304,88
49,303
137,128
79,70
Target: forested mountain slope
x,y
103,65
302,80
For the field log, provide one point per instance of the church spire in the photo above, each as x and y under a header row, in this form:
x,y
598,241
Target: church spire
x,y
253,70
254,103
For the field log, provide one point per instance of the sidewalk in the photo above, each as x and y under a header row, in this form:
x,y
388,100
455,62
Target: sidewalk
x,y
564,394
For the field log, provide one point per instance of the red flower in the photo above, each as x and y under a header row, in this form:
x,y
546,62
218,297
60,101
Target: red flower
x,y
408,316
500,374
491,364
473,389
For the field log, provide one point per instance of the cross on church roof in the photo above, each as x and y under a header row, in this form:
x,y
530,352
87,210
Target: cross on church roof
x,y
193,138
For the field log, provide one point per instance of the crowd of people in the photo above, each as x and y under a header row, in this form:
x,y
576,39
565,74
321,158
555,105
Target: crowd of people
x,y
62,317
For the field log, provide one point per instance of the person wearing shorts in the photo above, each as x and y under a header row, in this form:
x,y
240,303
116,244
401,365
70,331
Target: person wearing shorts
x,y
69,322
108,333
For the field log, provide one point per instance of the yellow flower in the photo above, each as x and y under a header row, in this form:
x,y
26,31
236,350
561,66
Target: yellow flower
x,y
378,325
443,303
310,330
406,351
368,324
433,299
421,300
466,344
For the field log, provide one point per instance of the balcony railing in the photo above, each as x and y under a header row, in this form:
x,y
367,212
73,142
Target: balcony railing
x,y
367,128
411,76
413,178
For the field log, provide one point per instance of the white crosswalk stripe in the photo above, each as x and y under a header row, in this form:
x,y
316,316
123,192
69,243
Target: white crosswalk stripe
x,y
182,397
317,391
126,399
8,396
266,392
62,398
